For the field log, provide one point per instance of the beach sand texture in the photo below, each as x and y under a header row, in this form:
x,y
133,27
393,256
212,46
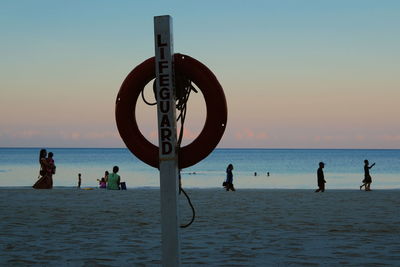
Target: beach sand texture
x,y
73,227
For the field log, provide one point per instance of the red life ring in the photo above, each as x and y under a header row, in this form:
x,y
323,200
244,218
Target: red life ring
x,y
214,127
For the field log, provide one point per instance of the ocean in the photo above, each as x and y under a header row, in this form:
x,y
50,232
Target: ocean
x,y
288,168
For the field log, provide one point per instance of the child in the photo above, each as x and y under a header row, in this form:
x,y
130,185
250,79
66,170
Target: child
x,y
51,168
103,183
103,180
79,180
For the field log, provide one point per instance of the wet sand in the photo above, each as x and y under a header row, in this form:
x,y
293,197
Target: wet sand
x,y
67,226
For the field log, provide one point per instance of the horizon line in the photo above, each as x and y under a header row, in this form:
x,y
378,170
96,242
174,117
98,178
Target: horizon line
x,y
218,148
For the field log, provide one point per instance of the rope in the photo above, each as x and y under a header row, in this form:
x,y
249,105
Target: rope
x,y
144,99
183,88
190,204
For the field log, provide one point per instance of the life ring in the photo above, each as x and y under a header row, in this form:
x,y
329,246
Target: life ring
x,y
216,118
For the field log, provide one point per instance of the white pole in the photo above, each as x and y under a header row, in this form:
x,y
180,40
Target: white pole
x,y
169,184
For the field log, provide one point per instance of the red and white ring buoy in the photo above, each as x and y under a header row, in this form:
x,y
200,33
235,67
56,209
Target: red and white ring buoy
x,y
214,97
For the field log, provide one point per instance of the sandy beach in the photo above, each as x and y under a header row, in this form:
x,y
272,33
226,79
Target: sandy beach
x,y
68,226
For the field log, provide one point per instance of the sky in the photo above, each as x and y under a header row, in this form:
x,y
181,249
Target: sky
x,y
296,74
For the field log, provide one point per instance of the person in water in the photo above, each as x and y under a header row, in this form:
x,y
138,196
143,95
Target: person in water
x,y
229,178
45,174
320,178
114,179
367,177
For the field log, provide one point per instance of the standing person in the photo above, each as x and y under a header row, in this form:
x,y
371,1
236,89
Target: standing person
x,y
114,179
45,180
367,177
79,180
229,178
321,178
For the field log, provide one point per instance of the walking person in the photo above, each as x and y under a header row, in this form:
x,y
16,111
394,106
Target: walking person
x,y
229,178
320,178
367,177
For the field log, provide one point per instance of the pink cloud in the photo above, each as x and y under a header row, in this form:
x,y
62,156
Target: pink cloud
x,y
391,138
26,134
248,134
101,135
360,138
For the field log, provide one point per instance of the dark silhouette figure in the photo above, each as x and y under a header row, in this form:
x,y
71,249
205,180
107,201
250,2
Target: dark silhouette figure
x,y
367,177
320,178
114,179
229,178
79,180
45,174
51,168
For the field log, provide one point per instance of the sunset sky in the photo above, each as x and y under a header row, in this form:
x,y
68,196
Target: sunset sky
x,y
296,74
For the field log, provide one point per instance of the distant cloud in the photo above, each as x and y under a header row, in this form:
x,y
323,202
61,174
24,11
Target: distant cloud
x,y
328,138
101,135
391,138
360,138
25,134
248,134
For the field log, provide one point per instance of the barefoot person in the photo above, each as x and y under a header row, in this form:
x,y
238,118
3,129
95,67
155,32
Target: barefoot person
x,y
367,177
320,178
45,175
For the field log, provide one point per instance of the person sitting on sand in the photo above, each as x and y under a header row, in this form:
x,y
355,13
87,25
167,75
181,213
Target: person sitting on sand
x,y
103,180
367,177
320,178
102,183
229,178
114,179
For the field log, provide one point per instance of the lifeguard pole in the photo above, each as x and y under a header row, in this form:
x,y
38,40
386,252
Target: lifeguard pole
x,y
169,181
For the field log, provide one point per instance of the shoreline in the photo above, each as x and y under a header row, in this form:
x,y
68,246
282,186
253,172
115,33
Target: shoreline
x,y
196,188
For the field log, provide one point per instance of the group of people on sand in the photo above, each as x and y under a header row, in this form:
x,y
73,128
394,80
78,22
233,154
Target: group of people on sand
x,y
47,170
365,183
228,183
111,181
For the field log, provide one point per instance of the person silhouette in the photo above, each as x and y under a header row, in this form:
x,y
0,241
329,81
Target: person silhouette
x,y
114,179
79,180
367,177
320,178
229,178
45,175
